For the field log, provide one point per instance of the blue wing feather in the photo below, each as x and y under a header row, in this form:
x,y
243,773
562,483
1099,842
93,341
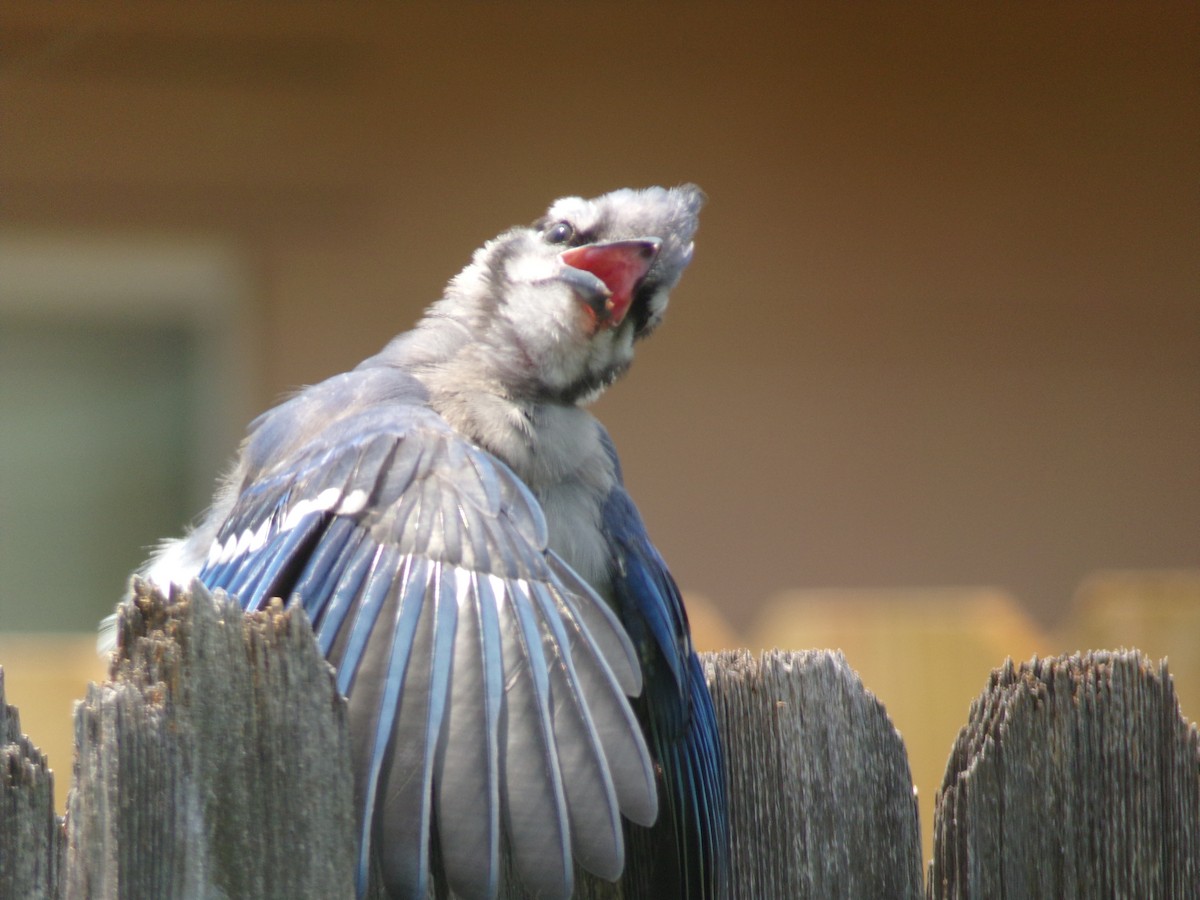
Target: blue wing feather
x,y
423,563
365,582
279,556
329,559
686,853
537,813
467,791
408,862
342,594
369,583
591,802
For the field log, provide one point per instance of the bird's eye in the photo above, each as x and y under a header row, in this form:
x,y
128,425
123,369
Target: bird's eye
x,y
559,233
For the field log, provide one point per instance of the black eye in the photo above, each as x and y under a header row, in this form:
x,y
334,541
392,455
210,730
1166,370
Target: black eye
x,y
559,233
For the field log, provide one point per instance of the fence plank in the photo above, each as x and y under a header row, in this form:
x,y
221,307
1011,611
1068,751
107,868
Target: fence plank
x,y
213,763
1074,777
215,750
821,798
31,839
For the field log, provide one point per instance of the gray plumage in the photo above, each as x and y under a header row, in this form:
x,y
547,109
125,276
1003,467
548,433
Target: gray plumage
x,y
440,512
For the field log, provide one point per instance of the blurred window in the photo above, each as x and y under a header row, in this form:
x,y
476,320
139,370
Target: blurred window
x,y
120,399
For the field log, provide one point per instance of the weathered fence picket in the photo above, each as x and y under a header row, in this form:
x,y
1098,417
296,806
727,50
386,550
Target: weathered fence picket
x,y
30,833
1074,777
212,764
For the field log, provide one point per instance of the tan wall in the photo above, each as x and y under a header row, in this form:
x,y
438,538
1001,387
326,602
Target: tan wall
x,y
943,326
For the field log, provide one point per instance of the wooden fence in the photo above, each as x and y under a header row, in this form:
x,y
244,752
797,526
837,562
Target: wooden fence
x,y
212,764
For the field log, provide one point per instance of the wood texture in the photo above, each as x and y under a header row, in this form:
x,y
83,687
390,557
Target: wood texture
x,y
30,833
1074,777
821,799
213,761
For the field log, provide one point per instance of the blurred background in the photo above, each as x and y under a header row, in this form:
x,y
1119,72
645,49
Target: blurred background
x,y
930,391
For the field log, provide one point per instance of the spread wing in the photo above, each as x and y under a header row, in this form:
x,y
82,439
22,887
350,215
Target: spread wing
x,y
486,681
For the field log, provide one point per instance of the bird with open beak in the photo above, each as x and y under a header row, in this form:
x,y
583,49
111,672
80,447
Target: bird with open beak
x,y
516,656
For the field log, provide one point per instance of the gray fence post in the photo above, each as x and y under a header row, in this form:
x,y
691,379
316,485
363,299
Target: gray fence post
x,y
1074,777
31,839
821,796
213,763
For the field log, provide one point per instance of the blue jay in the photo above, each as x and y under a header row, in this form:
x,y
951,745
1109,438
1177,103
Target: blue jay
x,y
455,525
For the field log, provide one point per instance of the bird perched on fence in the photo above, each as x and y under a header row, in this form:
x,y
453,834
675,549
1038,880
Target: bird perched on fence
x,y
455,525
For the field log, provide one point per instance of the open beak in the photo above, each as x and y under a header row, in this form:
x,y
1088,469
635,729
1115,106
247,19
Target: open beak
x,y
606,275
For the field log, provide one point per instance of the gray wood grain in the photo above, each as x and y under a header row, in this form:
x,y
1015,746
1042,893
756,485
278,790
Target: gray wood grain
x,y
213,763
1074,777
821,797
31,839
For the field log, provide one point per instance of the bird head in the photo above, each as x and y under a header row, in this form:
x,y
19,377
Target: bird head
x,y
555,307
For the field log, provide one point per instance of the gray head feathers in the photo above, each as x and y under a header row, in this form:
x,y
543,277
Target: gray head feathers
x,y
550,312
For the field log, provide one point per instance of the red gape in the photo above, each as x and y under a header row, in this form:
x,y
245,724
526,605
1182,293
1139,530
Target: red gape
x,y
620,265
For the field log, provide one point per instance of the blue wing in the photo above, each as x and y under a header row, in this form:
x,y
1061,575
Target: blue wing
x,y
486,682
686,853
